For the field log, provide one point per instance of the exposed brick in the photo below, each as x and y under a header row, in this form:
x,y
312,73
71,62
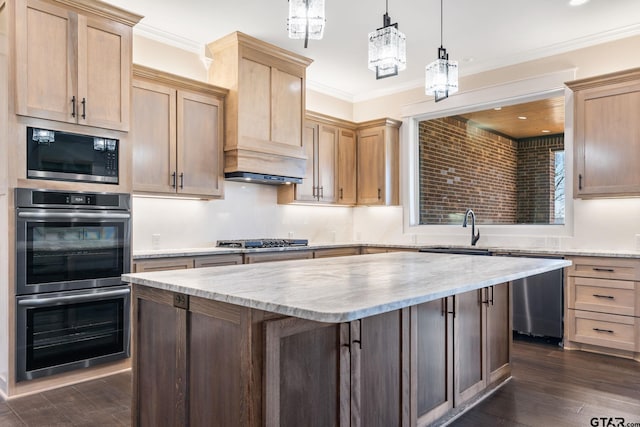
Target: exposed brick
x,y
503,180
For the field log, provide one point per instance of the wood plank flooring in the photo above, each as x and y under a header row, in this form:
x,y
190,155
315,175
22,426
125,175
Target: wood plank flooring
x,y
553,387
550,387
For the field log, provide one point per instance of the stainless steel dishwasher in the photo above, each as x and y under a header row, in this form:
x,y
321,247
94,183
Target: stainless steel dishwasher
x,y
538,302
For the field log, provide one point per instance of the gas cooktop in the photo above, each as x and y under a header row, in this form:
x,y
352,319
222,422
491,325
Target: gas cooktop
x,y
261,243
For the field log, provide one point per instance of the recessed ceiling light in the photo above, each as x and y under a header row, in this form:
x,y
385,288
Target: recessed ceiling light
x,y
498,108
577,2
522,117
545,131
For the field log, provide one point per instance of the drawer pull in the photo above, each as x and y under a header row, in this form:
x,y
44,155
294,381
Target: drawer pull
x,y
605,270
603,296
608,331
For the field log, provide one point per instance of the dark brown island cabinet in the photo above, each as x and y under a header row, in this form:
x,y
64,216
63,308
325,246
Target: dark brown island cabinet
x,y
200,362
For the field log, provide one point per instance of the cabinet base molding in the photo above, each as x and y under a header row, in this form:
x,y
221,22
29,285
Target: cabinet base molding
x,y
65,379
459,411
573,346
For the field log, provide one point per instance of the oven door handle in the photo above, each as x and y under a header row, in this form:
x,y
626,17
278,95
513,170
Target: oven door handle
x,y
40,302
72,215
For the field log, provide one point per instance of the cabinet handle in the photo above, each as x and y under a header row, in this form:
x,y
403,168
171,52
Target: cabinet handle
x,y
181,180
73,106
605,270
608,331
580,181
603,296
314,192
173,180
321,196
379,194
491,300
341,194
84,108
485,296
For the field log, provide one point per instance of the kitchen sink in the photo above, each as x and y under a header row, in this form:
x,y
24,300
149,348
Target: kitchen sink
x,y
460,250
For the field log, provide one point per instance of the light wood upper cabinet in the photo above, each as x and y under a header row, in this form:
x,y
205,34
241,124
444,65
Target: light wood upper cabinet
x,y
378,163
346,169
330,147
73,62
266,105
607,135
177,135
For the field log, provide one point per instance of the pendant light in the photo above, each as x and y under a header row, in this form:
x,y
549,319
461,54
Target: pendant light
x,y
306,20
387,48
441,77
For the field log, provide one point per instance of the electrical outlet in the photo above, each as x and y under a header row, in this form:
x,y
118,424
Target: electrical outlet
x,y
155,241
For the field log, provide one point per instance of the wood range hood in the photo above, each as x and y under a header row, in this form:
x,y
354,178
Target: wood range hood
x,y
264,110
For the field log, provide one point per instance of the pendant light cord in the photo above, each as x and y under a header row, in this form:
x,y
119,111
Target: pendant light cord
x,y
441,26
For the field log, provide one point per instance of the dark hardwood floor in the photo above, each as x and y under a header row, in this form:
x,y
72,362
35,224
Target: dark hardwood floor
x,y
550,387
553,387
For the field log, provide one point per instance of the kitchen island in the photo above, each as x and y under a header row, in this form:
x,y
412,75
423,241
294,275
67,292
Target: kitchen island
x,y
375,340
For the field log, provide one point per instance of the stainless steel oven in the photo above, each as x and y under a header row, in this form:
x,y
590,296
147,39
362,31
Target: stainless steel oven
x,y
71,240
62,331
71,304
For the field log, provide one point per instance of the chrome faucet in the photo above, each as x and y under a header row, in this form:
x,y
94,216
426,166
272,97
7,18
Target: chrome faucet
x,y
474,237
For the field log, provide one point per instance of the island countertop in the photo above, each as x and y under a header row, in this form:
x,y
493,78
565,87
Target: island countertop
x,y
346,288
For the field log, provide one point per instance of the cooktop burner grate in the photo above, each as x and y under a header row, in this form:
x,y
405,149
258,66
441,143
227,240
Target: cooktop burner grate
x,y
261,243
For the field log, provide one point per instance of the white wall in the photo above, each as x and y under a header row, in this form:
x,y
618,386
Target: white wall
x,y
247,211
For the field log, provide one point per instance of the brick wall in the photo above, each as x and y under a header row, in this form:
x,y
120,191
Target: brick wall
x,y
462,167
504,181
536,178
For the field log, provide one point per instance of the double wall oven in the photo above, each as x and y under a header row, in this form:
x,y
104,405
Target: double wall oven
x,y
72,308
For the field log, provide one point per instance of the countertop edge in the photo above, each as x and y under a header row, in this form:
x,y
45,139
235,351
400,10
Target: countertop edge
x,y
339,316
501,250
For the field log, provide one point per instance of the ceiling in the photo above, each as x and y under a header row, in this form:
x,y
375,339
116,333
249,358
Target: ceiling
x,y
537,118
480,35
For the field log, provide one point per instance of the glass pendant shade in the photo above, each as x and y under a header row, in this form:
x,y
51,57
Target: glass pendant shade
x,y
306,19
387,50
441,76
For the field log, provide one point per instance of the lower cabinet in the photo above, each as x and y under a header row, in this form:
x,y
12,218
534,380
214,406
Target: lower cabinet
x,y
461,346
357,370
199,362
255,257
179,263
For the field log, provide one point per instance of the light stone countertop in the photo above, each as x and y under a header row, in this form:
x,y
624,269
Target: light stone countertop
x,y
346,288
179,252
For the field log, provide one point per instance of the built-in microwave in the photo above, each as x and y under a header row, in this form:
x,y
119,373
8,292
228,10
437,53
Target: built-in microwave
x,y
68,156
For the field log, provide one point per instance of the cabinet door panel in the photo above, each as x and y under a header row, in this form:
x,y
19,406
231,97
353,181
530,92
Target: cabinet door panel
x,y
611,154
303,373
157,348
46,62
382,390
154,137
214,371
286,107
327,152
199,155
499,334
104,73
254,103
469,336
346,169
306,192
433,343
371,170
